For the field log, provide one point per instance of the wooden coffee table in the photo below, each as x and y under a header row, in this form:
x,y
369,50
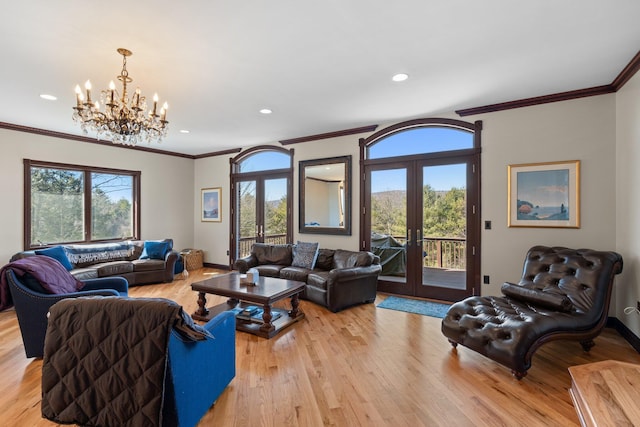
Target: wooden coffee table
x,y
267,291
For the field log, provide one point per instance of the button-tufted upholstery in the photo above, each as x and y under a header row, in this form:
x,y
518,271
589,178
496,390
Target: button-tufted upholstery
x,y
563,294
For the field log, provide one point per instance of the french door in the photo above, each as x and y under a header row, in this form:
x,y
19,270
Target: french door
x,y
262,211
423,222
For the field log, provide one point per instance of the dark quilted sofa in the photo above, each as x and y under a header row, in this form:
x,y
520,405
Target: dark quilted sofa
x,y
124,259
340,278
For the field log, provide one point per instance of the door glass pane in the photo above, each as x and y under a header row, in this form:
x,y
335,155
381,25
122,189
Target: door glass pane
x,y
444,226
389,222
57,206
111,206
275,211
247,219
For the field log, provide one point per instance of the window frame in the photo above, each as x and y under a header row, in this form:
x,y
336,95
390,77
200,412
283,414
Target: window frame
x,y
86,171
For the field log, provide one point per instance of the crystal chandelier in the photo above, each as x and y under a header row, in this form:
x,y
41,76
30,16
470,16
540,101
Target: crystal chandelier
x,y
124,120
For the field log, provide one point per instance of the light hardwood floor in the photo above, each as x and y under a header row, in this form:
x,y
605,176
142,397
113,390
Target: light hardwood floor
x,y
364,366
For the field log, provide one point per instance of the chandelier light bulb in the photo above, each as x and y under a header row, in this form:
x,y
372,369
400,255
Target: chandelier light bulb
x,y
125,120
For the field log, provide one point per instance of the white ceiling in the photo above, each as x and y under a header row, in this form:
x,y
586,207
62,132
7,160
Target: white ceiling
x,y
321,66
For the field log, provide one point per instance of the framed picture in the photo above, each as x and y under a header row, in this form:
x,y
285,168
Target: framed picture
x,y
545,194
211,205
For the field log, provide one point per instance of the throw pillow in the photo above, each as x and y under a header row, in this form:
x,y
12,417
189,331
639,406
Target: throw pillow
x,y
154,249
58,253
305,255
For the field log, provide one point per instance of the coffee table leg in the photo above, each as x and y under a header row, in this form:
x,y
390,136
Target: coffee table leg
x,y
202,305
267,326
295,302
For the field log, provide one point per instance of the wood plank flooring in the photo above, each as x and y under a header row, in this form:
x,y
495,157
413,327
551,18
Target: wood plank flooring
x,y
364,366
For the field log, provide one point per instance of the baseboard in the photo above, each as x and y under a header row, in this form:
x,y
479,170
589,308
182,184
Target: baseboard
x,y
218,266
627,334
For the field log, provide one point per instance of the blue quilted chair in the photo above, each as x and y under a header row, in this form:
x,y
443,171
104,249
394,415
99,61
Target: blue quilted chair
x,y
133,361
32,303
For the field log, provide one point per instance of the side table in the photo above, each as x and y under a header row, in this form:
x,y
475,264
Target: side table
x,y
606,393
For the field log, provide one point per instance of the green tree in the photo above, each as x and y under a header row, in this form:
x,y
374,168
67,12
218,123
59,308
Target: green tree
x,y
56,206
276,216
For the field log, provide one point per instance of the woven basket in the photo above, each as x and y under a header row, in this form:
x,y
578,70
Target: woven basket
x,y
193,259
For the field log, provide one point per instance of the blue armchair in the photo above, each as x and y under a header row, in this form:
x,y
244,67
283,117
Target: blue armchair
x,y
33,305
133,361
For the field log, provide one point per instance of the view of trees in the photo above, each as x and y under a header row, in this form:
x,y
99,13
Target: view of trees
x,y
275,212
444,213
57,206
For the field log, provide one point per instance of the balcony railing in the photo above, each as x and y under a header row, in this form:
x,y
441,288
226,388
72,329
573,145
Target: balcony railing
x,y
444,252
245,243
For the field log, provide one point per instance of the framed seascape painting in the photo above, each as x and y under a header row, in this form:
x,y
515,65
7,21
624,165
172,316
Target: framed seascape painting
x,y
211,205
544,194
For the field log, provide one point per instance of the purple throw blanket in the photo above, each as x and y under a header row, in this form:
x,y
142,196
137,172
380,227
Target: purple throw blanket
x,y
49,272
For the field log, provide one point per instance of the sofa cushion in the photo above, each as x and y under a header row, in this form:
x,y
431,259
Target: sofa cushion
x,y
273,254
155,249
305,255
113,268
147,264
135,249
325,259
269,270
57,253
84,273
318,279
85,255
295,273
349,259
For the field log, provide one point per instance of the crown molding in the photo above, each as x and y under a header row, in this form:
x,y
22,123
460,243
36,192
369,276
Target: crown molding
x,y
623,77
335,134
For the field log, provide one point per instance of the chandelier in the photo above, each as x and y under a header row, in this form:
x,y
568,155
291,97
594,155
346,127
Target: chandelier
x,y
124,120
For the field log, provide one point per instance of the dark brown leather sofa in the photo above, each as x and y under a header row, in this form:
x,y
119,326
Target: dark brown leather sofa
x,y
563,294
340,278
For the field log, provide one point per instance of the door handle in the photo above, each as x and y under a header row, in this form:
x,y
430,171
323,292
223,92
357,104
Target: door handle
x,y
418,236
408,237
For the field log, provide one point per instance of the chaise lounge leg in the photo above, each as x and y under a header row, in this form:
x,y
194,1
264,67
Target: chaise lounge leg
x,y
519,375
453,343
587,345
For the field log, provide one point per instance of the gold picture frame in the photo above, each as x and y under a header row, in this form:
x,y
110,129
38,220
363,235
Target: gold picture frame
x,y
544,194
211,204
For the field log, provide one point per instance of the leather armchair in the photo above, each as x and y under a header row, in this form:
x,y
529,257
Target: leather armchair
x,y
563,294
32,306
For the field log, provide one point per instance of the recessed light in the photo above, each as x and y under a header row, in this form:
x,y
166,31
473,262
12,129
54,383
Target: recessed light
x,y
48,97
266,111
400,77
184,131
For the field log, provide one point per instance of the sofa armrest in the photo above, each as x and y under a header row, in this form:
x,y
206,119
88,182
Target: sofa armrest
x,y
353,273
244,264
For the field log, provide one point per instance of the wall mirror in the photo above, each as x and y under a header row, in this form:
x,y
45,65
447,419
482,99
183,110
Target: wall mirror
x,y
325,195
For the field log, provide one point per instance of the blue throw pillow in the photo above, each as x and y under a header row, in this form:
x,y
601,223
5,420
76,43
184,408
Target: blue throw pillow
x,y
155,250
58,253
305,255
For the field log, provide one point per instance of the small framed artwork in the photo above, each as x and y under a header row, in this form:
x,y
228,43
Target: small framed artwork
x,y
211,205
544,194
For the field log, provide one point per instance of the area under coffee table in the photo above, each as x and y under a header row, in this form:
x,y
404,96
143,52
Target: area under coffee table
x,y
267,291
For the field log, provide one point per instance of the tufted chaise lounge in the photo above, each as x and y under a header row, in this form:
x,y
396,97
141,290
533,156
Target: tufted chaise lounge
x,y
563,294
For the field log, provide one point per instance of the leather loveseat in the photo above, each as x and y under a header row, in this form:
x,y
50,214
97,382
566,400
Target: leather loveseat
x,y
339,279
138,261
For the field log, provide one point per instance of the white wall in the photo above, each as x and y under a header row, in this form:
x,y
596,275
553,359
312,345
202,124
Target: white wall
x,y
627,200
166,197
